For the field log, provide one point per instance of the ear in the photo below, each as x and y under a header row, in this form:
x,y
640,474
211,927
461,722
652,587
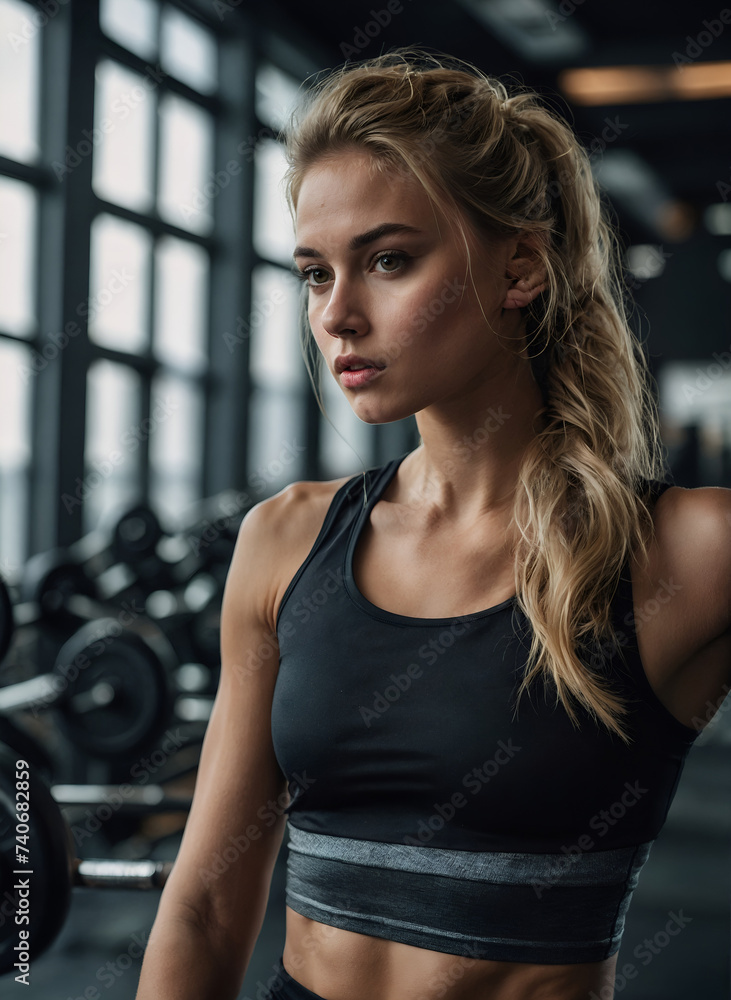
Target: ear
x,y
524,272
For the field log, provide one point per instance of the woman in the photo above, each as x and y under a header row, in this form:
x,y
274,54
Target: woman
x,y
480,667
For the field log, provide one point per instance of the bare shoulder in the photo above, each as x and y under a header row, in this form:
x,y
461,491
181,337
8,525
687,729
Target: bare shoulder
x,y
297,508
693,545
279,532
683,602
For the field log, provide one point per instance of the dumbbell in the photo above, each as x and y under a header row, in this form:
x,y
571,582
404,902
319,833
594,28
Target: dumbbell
x,y
114,688
135,541
132,557
57,594
213,527
59,590
63,596
51,577
39,870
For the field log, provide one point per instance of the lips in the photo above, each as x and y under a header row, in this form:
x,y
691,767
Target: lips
x,y
354,362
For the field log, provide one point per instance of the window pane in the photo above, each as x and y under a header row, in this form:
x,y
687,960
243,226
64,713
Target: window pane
x,y
18,206
693,392
131,23
276,95
276,359
188,51
15,452
113,438
276,442
19,78
176,437
346,447
186,149
273,229
181,290
119,283
124,108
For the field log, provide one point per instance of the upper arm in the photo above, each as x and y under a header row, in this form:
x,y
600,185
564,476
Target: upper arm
x,y
693,531
693,534
235,827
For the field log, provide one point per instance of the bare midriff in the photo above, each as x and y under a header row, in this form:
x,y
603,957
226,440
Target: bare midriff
x,y
341,965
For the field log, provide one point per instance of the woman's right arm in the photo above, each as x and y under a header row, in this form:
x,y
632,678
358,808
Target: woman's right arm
x,y
213,904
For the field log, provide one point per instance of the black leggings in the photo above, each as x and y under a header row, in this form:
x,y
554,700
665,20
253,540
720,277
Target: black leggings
x,y
282,986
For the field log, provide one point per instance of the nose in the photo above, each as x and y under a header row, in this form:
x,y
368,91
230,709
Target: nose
x,y
343,313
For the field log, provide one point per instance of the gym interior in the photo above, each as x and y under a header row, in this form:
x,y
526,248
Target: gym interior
x,y
153,389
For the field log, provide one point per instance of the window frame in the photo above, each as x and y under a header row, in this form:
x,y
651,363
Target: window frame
x,y
71,45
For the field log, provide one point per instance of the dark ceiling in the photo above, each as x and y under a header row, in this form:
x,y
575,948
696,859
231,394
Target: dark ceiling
x,y
687,144
667,161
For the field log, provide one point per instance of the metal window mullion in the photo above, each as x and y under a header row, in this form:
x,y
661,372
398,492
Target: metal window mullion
x,y
78,218
59,400
151,366
32,340
136,64
30,173
227,411
44,387
156,225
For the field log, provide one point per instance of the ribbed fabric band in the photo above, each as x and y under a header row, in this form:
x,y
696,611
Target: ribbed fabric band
x,y
539,908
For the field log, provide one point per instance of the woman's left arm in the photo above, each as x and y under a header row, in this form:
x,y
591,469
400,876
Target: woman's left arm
x,y
693,532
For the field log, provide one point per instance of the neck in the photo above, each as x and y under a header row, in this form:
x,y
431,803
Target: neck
x,y
471,449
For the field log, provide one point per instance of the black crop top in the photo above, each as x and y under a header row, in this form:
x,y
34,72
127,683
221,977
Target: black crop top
x,y
423,809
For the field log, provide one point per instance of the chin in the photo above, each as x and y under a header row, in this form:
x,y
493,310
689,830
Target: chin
x,y
375,415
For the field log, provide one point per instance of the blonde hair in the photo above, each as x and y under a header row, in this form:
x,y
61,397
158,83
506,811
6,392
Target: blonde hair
x,y
504,163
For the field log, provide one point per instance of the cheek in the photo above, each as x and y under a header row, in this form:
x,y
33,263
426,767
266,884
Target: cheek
x,y
442,304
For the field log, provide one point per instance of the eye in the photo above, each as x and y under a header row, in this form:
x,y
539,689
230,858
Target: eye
x,y
392,260
315,273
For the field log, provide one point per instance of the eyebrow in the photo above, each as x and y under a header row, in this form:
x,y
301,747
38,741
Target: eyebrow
x,y
357,242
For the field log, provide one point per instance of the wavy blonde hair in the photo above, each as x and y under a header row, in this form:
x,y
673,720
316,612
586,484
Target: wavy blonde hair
x,y
501,162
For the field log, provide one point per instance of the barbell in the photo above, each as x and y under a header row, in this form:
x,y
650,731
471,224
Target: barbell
x,y
38,865
113,687
144,799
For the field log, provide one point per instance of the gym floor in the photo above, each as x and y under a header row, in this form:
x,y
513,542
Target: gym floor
x,y
685,882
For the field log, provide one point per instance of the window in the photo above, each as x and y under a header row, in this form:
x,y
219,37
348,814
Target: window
x,y
19,75
280,388
149,343
19,181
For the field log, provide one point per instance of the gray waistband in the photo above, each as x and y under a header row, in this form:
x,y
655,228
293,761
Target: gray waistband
x,y
509,868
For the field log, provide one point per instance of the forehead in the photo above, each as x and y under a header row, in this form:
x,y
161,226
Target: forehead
x,y
351,189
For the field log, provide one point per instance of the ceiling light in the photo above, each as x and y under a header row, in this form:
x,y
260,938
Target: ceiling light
x,y
718,219
646,261
646,84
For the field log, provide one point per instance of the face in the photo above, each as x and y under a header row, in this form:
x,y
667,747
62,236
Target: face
x,y
389,286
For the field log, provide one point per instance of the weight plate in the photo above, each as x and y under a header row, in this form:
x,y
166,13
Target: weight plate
x,y
116,687
49,579
24,744
7,624
136,534
47,870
